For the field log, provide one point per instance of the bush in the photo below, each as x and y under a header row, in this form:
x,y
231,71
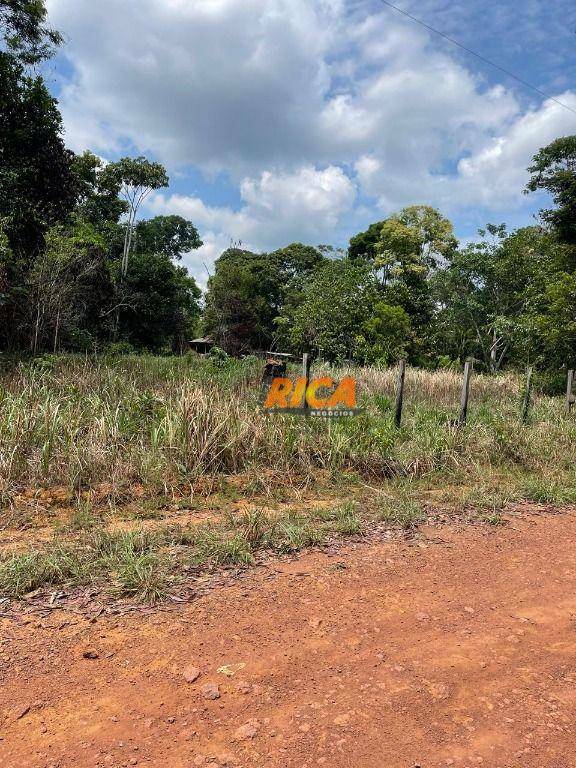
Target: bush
x,y
118,348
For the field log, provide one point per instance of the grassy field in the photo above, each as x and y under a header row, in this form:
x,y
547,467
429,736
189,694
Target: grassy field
x,y
139,470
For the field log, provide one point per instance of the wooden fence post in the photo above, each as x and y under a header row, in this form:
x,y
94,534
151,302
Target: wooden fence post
x,y
306,363
526,399
465,393
569,389
400,393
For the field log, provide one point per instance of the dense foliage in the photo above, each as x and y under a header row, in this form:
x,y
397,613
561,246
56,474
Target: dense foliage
x,y
405,289
77,270
81,271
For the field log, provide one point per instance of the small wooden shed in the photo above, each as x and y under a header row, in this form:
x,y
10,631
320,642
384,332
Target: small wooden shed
x,y
202,346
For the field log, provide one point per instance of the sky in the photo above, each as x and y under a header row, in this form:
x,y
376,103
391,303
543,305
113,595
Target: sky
x,y
307,120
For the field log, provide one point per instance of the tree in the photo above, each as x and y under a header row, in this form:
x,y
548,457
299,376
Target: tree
x,y
136,178
37,185
97,193
241,301
63,252
171,236
161,303
69,288
156,303
26,36
554,169
411,246
554,323
414,241
336,302
491,292
295,260
247,292
363,245
385,335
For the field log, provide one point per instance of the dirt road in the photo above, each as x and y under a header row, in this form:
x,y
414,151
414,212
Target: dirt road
x,y
456,650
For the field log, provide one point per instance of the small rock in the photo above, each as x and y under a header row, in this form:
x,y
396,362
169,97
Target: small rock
x,y
191,674
22,712
247,731
90,653
468,609
230,669
211,691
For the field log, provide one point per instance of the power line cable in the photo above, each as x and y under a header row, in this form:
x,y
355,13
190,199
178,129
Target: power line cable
x,y
477,55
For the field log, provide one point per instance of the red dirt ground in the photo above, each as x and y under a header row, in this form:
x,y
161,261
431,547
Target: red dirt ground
x,y
459,649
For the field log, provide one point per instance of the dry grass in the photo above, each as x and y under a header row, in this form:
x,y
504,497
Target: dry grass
x,y
163,423
441,388
148,431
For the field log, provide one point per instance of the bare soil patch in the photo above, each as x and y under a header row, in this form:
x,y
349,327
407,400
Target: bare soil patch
x,y
458,648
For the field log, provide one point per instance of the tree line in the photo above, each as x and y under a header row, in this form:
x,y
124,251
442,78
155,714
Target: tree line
x,y
404,288
78,270
81,271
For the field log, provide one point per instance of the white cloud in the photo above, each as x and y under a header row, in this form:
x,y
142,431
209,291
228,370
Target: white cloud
x,y
283,95
201,261
277,208
496,174
318,197
214,83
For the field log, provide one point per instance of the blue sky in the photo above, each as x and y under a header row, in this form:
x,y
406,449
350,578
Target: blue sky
x,y
284,120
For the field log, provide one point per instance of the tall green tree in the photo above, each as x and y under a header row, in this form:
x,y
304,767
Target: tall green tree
x,y
37,185
335,304
157,301
553,170
160,304
248,290
483,295
385,336
506,300
171,236
69,290
411,246
97,193
136,178
362,246
242,301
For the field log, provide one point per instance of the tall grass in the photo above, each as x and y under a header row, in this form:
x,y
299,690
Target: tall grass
x,y
163,422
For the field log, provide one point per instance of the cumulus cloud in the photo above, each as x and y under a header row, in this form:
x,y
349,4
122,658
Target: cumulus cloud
x,y
320,111
496,173
277,208
214,83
